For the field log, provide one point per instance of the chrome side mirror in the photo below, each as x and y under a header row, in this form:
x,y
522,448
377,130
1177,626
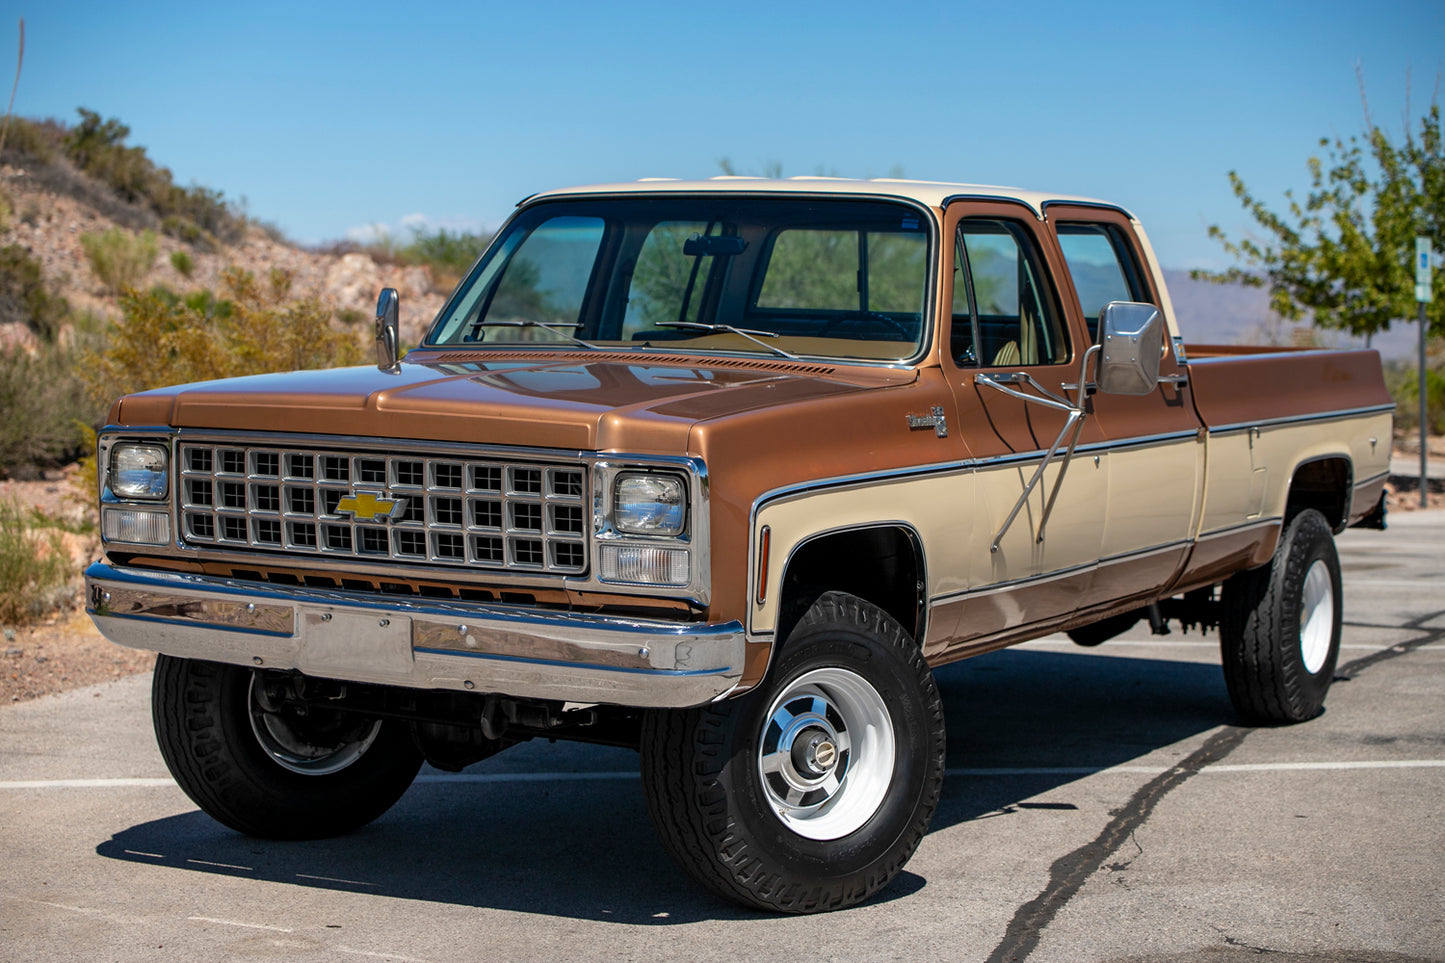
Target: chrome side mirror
x,y
387,311
1131,336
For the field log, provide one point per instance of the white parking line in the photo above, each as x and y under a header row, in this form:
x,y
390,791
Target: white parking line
x,y
1181,643
249,926
86,783
552,777
378,956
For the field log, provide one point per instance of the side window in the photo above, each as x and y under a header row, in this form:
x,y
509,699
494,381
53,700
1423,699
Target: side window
x,y
1102,268
1010,317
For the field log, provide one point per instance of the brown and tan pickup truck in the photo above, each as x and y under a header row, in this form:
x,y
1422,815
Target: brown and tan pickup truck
x,y
722,470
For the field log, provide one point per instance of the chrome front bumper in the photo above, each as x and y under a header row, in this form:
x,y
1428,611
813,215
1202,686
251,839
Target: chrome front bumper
x,y
419,643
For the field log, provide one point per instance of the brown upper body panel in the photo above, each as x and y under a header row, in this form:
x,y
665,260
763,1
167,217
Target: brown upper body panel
x,y
647,406
1250,387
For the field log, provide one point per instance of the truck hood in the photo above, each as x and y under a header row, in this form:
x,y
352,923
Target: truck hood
x,y
620,402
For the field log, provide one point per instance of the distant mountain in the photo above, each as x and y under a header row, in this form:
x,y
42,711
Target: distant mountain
x,y
1234,314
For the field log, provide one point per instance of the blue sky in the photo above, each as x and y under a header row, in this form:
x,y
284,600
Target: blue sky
x,y
327,117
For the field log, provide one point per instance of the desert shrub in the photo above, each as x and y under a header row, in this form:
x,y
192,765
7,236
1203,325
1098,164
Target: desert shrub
x,y
43,396
118,258
195,214
35,566
1402,378
257,326
35,140
24,296
183,263
444,251
447,253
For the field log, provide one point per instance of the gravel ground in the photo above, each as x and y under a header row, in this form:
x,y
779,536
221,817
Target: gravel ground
x,y
63,651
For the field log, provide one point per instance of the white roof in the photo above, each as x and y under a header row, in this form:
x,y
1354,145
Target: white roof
x,y
929,193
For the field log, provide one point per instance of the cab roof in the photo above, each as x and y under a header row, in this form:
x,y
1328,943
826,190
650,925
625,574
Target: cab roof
x,y
928,193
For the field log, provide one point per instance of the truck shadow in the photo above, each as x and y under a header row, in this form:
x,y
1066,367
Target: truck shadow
x,y
580,844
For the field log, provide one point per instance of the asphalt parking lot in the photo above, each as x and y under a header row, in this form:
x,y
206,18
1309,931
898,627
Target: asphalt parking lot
x,y
1100,805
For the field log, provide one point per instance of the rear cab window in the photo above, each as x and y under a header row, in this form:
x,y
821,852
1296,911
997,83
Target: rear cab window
x,y
1102,266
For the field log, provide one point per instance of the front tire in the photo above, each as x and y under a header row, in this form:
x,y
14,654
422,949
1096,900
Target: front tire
x,y
1280,631
269,773
810,792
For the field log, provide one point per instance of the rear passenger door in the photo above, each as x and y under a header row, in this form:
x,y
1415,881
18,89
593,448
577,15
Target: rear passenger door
x,y
1152,443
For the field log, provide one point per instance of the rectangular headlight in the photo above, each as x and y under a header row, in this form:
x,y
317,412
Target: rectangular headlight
x,y
649,504
138,471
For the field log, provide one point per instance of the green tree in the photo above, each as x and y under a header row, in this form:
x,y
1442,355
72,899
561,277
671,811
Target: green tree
x,y
1344,255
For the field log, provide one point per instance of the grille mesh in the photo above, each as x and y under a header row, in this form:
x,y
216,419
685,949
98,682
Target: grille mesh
x,y
488,513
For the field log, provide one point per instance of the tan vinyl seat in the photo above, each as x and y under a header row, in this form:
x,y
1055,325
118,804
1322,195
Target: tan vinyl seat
x,y
1008,356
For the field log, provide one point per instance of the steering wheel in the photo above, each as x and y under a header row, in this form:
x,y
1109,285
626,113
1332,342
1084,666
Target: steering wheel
x,y
850,317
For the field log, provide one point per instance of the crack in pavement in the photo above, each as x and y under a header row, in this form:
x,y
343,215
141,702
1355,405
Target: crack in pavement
x,y
1355,666
1069,873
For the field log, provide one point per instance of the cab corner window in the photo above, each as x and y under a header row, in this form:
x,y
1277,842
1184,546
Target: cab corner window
x,y
1003,313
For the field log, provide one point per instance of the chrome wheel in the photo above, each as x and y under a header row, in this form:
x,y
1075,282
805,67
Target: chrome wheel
x,y
826,754
1317,617
308,745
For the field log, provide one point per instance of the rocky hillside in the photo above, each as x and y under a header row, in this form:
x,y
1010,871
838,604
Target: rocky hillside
x,y
48,219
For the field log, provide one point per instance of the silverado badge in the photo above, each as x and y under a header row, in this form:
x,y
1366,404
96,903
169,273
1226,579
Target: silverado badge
x,y
367,507
934,419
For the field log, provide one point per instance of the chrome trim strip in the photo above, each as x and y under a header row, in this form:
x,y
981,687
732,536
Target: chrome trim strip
x,y
1222,358
848,481
1378,476
567,665
459,448
993,588
1143,441
1125,444
1297,419
1272,521
428,644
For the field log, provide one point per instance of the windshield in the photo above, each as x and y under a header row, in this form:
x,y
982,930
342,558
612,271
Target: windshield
x,y
781,276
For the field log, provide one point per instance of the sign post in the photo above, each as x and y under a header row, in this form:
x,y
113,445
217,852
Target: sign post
x,y
1422,295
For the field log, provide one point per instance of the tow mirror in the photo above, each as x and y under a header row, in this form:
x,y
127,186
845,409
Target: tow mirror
x,y
387,311
1130,335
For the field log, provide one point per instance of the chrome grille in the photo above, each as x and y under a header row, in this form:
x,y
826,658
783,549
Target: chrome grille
x,y
482,512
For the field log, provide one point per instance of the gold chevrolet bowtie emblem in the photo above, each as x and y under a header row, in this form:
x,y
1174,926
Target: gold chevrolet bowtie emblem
x,y
366,507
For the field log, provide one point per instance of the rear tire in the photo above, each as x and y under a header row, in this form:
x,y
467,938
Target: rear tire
x,y
273,774
810,792
1280,628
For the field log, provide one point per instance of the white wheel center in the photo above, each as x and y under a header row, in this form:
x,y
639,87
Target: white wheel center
x,y
1317,617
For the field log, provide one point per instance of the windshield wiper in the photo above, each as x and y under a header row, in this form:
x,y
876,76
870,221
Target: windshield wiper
x,y
554,327
748,333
